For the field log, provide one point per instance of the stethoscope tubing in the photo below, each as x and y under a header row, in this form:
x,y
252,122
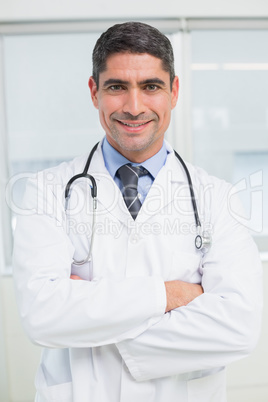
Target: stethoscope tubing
x,y
200,240
193,200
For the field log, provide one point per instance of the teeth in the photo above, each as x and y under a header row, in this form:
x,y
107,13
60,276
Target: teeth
x,y
133,125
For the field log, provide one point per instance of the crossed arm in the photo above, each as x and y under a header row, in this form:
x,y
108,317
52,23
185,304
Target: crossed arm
x,y
181,293
178,293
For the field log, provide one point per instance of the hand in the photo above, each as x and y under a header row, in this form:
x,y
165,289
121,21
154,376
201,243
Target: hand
x,y
76,278
181,293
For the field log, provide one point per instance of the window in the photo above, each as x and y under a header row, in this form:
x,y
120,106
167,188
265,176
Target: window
x,y
230,114
49,112
221,119
50,117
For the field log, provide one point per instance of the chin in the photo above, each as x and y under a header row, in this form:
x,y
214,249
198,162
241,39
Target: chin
x,y
134,146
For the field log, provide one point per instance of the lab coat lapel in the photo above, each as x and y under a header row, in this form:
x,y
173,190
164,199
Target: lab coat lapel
x,y
164,188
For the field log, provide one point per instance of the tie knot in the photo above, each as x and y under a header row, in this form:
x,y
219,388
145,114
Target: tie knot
x,y
129,175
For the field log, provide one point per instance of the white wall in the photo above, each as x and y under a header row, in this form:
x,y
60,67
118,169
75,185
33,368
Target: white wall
x,y
247,379
3,360
32,10
22,356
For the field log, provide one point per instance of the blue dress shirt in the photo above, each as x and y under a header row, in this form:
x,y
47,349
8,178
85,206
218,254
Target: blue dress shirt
x,y
114,160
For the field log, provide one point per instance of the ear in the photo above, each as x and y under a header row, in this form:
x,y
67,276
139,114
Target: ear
x,y
174,92
94,92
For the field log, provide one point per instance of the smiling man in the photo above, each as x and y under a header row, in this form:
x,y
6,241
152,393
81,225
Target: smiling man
x,y
145,312
134,97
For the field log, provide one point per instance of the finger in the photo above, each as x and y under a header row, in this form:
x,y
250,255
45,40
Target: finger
x,y
76,277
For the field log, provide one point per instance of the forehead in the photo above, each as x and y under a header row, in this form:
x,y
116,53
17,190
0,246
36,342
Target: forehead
x,y
134,65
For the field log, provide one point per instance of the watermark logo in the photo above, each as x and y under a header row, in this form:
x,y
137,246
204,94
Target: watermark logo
x,y
249,190
47,197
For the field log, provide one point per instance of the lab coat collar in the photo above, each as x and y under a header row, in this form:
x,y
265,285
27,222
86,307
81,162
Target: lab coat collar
x,y
162,192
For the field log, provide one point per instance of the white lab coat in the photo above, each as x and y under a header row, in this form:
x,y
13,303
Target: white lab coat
x,y
107,338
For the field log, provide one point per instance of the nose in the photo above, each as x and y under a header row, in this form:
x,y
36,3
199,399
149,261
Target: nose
x,y
134,104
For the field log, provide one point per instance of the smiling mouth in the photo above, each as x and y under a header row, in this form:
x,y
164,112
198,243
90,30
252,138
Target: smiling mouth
x,y
134,125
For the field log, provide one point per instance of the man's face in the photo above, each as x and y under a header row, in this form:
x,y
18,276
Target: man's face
x,y
135,102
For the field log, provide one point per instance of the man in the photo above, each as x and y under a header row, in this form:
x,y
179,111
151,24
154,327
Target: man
x,y
147,317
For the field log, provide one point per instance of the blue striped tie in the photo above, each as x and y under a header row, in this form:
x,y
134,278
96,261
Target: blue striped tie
x,y
129,176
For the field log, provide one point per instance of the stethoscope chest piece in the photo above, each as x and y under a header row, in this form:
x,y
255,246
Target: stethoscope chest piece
x,y
198,242
203,242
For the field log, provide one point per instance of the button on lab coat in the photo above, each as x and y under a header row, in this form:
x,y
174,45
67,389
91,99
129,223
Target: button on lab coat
x,y
107,338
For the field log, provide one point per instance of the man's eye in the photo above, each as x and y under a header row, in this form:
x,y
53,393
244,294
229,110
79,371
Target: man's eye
x,y
116,87
152,87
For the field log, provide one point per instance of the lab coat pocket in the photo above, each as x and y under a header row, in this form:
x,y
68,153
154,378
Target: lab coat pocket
x,y
84,271
58,393
211,388
185,267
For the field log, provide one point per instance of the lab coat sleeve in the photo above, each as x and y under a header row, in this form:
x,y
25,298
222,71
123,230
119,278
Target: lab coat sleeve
x,y
216,328
58,312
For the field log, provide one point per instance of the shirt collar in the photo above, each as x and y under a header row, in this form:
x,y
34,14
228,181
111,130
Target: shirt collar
x,y
114,160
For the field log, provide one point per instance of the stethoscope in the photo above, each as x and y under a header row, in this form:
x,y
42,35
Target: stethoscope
x,y
202,240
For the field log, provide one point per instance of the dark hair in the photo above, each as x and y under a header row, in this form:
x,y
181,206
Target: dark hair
x,y
132,37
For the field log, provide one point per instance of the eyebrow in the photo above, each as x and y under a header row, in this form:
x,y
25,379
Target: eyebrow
x,y
114,81
153,81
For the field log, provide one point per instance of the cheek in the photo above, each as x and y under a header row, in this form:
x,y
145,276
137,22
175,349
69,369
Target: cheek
x,y
104,112
160,105
108,105
103,120
164,112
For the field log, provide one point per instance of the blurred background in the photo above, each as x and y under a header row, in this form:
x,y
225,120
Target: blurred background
x,y
46,116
